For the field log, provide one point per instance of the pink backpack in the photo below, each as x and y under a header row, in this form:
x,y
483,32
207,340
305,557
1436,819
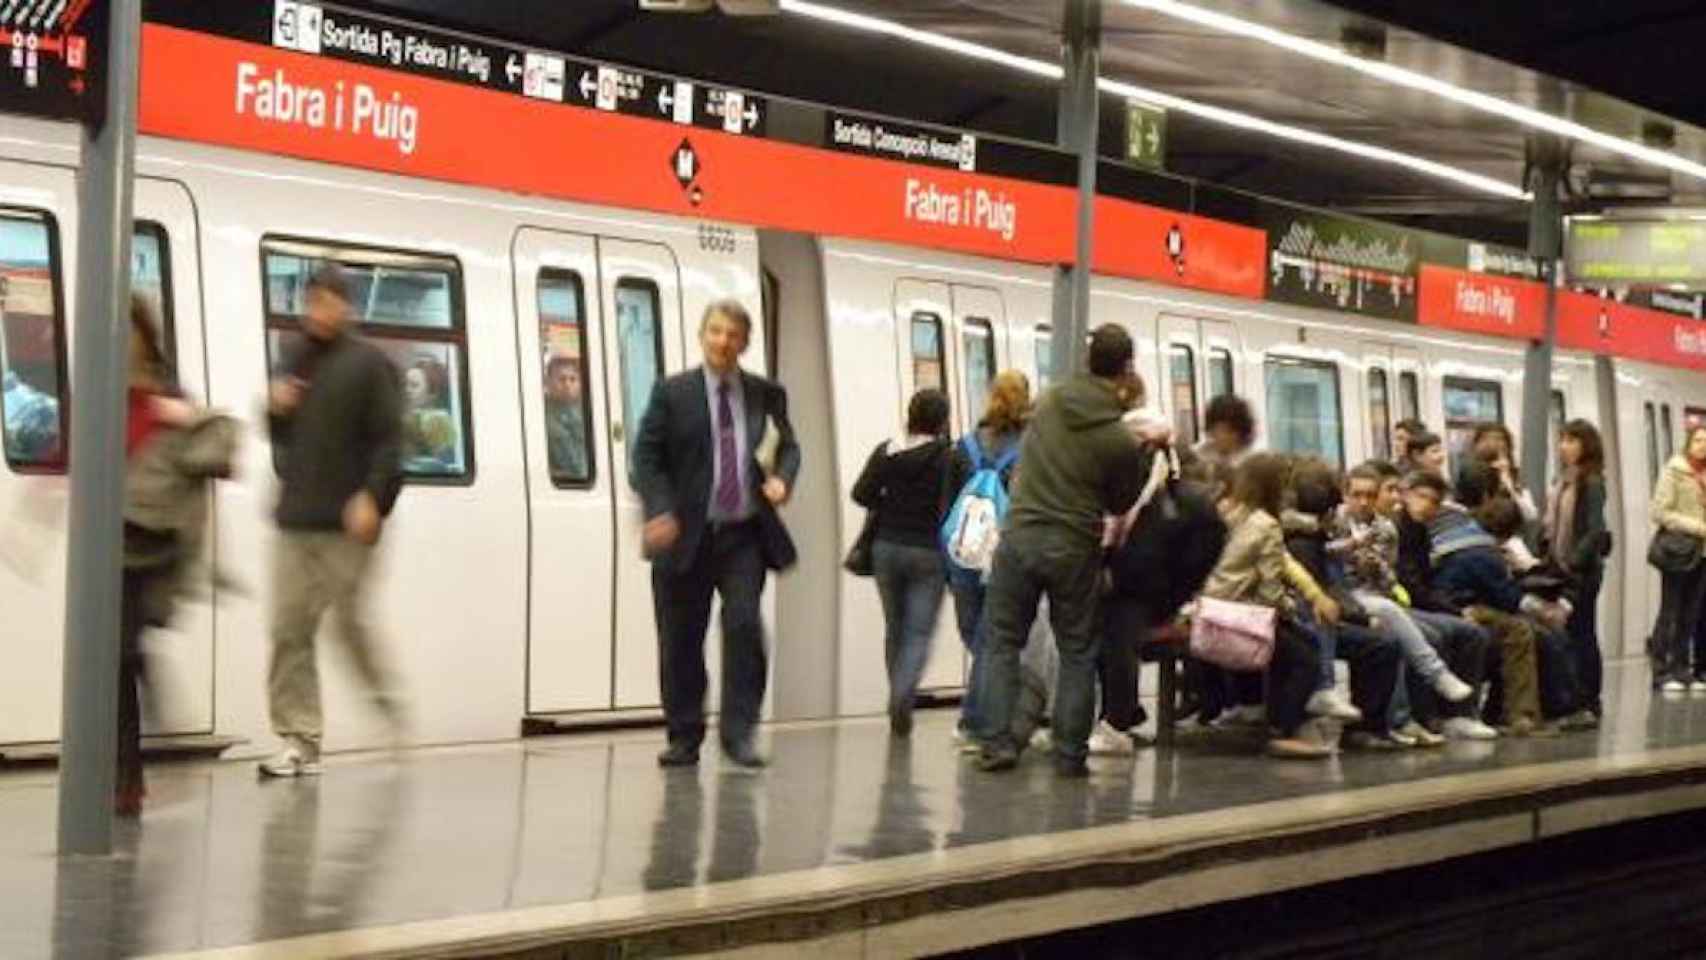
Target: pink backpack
x,y
1231,635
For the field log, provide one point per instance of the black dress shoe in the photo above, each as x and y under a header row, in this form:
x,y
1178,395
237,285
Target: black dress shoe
x,y
997,759
679,755
745,756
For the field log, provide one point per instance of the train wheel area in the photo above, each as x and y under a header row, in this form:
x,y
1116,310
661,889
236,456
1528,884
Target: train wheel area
x,y
853,843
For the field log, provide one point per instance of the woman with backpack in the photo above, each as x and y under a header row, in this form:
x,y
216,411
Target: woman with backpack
x,y
993,445
902,486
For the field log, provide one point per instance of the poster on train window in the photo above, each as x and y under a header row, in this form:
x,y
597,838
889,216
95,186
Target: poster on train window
x,y
1333,263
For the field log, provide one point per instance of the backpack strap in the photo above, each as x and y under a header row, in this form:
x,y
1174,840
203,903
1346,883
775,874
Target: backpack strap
x,y
1008,457
974,451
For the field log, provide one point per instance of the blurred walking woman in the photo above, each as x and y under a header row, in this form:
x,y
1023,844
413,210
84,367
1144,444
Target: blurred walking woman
x,y
1578,540
995,441
171,450
1679,506
902,485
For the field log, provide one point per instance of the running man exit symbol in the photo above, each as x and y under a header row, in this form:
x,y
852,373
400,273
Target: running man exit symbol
x,y
1146,135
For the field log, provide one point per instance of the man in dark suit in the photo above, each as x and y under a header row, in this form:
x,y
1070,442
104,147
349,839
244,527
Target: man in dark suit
x,y
711,525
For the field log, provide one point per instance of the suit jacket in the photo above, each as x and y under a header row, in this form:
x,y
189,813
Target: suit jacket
x,y
674,458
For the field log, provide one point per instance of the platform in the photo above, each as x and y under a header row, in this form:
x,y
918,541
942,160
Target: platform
x,y
853,844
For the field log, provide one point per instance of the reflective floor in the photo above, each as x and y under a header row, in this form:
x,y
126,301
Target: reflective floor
x,y
221,859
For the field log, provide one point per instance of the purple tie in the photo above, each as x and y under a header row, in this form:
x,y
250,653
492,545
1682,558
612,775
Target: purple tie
x,y
728,471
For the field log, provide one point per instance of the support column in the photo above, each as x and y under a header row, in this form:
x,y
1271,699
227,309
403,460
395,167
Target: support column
x,y
1077,126
100,349
1546,241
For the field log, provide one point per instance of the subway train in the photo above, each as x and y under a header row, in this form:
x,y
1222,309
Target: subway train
x,y
512,586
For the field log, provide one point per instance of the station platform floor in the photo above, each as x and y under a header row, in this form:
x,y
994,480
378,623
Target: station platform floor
x,y
852,844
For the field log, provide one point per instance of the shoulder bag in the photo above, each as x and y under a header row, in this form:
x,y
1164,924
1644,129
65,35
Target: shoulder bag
x,y
1234,636
1672,551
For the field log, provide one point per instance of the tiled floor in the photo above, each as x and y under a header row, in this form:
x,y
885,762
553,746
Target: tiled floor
x,y
222,859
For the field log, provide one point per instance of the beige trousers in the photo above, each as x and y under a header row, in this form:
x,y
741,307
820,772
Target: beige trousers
x,y
314,571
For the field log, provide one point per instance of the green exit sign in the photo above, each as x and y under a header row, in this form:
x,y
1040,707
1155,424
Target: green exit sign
x,y
1145,135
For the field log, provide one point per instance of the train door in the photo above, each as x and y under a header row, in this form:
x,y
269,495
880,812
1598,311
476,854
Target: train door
x,y
166,270
1198,363
644,341
1380,387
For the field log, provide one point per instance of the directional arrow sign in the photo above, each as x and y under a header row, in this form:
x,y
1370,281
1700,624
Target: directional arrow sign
x,y
512,69
1146,135
665,99
588,85
751,116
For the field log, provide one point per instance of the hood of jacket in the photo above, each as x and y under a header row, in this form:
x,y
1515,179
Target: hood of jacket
x,y
910,457
1086,403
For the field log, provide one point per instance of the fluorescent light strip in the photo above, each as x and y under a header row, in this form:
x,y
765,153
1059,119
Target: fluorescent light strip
x,y
1527,116
1042,68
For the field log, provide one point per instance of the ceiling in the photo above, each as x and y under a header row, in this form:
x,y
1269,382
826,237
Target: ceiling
x,y
1550,55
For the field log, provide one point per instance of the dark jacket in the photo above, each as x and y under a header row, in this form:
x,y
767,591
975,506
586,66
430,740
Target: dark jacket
x,y
345,434
1468,567
1306,541
993,445
1415,569
1173,546
673,460
1079,462
1593,537
905,489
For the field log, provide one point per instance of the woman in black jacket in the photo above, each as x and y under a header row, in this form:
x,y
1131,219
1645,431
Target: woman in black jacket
x,y
902,483
1578,540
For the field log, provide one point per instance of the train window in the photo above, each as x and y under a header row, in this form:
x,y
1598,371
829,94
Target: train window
x,y
1667,433
979,353
409,306
1304,413
1045,355
568,407
1219,372
32,342
1409,395
151,276
1652,425
1379,414
1468,405
1182,390
927,359
639,342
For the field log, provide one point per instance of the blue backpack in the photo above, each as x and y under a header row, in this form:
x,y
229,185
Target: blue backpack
x,y
972,529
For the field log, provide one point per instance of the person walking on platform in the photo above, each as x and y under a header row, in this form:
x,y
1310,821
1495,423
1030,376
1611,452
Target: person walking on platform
x,y
1577,539
903,483
711,527
335,415
1079,465
996,442
1679,515
171,450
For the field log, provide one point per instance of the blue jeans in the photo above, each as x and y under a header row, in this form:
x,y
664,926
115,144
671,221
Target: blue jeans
x,y
969,593
910,581
1395,622
1464,647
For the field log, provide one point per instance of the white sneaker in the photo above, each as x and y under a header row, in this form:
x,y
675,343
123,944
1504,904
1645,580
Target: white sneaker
x,y
1332,703
1105,741
1698,686
1042,739
1467,728
299,758
1419,735
1452,689
1674,687
1247,715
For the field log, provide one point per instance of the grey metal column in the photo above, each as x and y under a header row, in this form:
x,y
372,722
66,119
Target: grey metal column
x,y
1546,241
104,190
1077,125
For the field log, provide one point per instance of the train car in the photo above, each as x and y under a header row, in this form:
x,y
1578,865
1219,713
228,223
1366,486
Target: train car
x,y
512,586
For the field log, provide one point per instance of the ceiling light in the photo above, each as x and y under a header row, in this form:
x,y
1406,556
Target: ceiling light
x,y
1527,116
1041,68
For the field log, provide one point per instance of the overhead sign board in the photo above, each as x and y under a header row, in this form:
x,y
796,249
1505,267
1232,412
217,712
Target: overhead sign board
x,y
1145,134
49,65
1318,260
1633,253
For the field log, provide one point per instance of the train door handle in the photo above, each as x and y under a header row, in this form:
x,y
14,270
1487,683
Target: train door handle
x,y
616,431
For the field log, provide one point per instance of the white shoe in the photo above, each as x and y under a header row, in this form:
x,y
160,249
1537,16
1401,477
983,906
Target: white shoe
x,y
299,758
1105,741
1419,735
1452,689
1698,686
1247,715
1674,687
1332,703
1042,739
1467,728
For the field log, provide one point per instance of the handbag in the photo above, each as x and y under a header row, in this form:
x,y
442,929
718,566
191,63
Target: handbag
x,y
1233,636
1672,551
858,561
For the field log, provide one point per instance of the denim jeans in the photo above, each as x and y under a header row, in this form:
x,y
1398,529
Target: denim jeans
x,y
910,581
1032,562
969,595
1583,629
1419,655
1464,647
